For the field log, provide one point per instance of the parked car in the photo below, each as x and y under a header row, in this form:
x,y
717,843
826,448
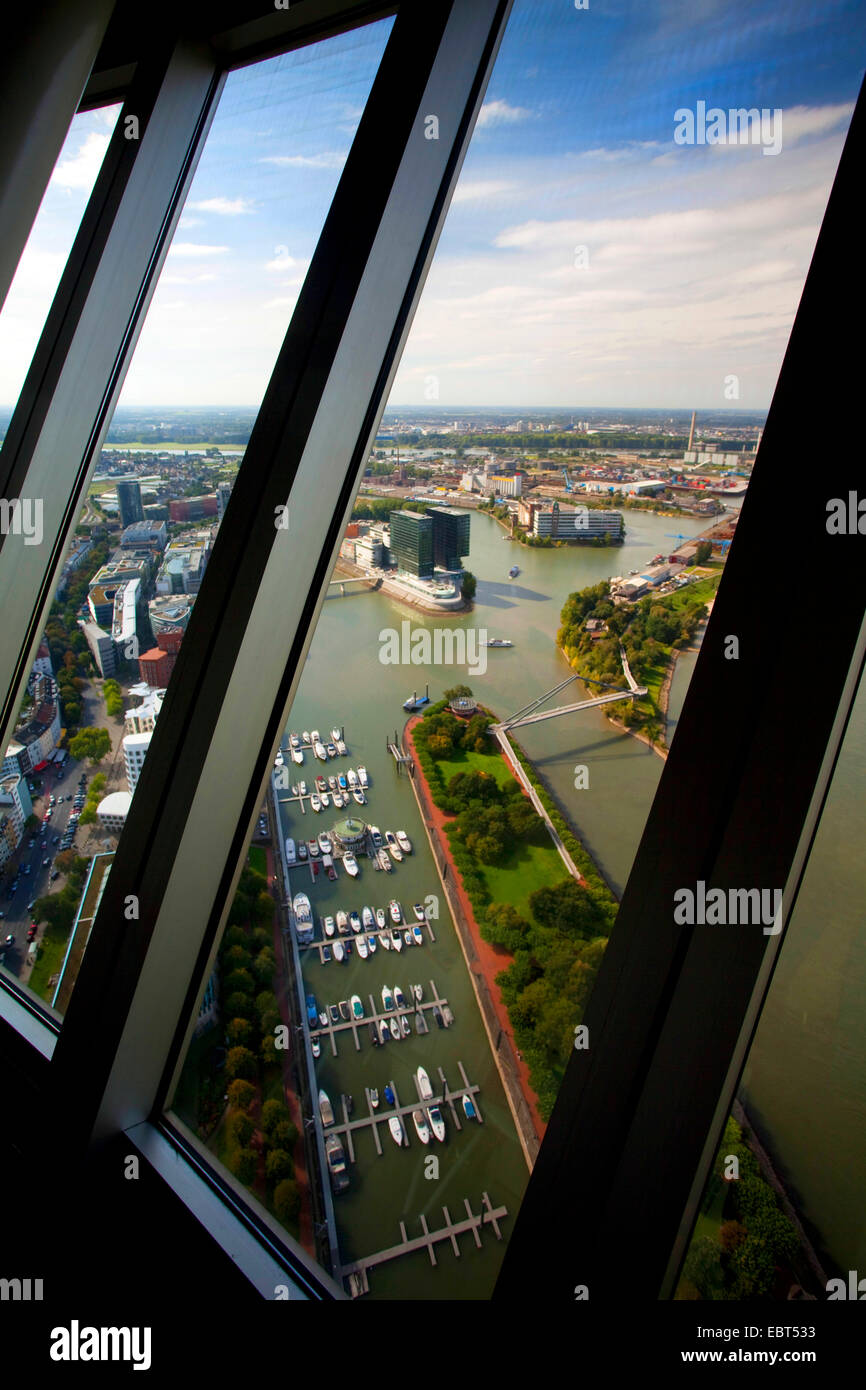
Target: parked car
x,y
31,931
45,863
9,940
55,875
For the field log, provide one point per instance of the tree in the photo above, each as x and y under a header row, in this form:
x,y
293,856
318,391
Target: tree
x,y
90,743
703,1266
287,1200
240,1128
278,1165
703,552
240,981
284,1135
503,926
458,691
241,1094
239,1005
241,1063
238,1030
243,1163
469,585
273,1113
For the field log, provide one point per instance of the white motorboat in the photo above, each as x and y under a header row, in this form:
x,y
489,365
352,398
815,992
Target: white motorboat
x,y
380,917
396,939
341,747
315,736
328,926
420,1022
335,735
332,783
302,788
422,1129
407,937
395,1029
305,737
302,909
395,910
363,949
393,848
357,1006
297,755
404,842
405,1026
417,936
313,848
326,1110
418,992
387,999
350,864
373,1097
385,940
279,760
354,921
291,852
316,802
375,836
363,778
352,778
323,1017
330,750
384,861
326,801
384,1033
396,1127
399,997
319,750
294,741
359,797
425,1090
316,1047
339,951
367,918
342,922
325,842
437,1124
371,944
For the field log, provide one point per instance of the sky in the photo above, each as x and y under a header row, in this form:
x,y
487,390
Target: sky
x,y
588,257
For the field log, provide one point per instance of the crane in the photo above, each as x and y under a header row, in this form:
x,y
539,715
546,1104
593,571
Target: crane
x,y
677,536
568,484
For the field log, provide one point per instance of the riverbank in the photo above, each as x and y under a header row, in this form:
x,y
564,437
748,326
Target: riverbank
x,y
483,962
394,589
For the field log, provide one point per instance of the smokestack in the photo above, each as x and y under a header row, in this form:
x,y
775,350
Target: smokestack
x,y
758,440
692,429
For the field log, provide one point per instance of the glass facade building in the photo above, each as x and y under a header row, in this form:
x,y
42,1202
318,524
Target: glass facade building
x,y
412,543
450,536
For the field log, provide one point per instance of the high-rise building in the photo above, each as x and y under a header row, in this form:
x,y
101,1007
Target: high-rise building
x,y
450,536
129,503
223,493
412,543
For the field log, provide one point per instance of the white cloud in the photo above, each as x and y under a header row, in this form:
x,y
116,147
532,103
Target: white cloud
x,y
472,190
186,224
330,159
192,248
798,122
500,113
225,207
81,169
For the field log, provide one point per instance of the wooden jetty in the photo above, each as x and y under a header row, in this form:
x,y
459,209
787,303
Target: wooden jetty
x,y
356,1273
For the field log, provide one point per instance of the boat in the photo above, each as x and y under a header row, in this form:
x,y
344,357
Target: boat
x,y
469,1109
326,954
393,847
418,992
332,784
330,750
350,864
363,949
416,701
342,782
297,755
326,801
375,836
305,737
384,1034
395,1029
323,1017
395,910
341,747
404,842
497,642
422,1129
294,741
405,1026
384,861
336,1163
291,852
279,760
373,1097
348,947
329,866
396,1127
399,997
326,1110
313,848
302,910
371,944
437,1124
389,1094
316,1047
387,999
319,750
367,918
352,778
359,797
380,917
312,1009
325,843
420,1022
384,940
354,921
315,736
317,868
425,1090
396,939
374,1034
294,791
344,1010
339,952
336,735
302,788
417,936
437,1014
321,784
513,572
316,802
357,1006
342,922
447,1016
363,779
408,937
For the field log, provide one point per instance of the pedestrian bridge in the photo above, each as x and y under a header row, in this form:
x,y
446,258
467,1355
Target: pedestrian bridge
x,y
533,714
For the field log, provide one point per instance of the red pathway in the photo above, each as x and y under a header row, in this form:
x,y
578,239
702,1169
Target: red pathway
x,y
490,959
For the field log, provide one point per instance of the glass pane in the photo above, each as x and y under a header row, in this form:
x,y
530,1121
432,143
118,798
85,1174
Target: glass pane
x,y
554,360
141,549
793,1216
47,250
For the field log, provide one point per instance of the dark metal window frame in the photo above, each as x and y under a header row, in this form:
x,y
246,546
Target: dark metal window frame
x,y
673,1009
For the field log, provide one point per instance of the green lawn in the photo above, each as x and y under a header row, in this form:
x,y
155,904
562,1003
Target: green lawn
x,y
258,860
491,763
51,953
703,590
528,867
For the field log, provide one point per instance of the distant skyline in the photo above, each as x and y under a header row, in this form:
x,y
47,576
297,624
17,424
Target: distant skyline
x,y
586,256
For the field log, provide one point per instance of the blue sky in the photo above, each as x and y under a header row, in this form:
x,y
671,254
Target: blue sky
x,y
693,257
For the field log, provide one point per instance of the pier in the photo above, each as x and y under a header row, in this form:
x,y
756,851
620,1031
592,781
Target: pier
x,y
356,1273
400,758
377,1016
446,1096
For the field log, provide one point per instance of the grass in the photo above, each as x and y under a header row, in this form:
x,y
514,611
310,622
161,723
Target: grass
x,y
528,867
259,860
703,590
493,764
51,952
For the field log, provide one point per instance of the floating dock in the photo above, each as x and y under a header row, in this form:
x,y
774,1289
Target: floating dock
x,y
356,1273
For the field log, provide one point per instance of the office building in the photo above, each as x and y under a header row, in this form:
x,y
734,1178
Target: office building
x,y
412,543
129,503
135,748
450,537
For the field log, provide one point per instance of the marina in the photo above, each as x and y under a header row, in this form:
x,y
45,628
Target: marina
x,y
403,1111
355,1274
376,1017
